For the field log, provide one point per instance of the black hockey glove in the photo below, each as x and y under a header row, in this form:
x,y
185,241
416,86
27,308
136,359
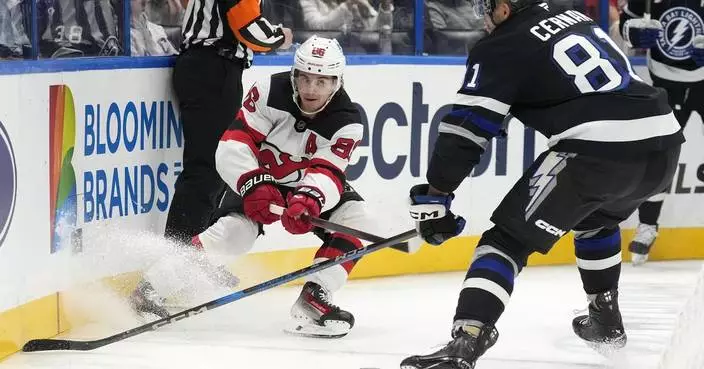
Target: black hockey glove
x,y
435,222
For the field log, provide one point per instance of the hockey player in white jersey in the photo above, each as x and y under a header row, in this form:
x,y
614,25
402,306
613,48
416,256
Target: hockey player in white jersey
x,y
288,146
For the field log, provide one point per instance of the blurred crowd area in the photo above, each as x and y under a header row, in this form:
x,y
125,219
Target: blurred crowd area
x,y
74,28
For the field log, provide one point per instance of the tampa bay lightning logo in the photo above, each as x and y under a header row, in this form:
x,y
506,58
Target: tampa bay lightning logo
x,y
8,183
680,25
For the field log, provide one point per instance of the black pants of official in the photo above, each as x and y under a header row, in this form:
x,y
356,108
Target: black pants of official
x,y
209,92
684,98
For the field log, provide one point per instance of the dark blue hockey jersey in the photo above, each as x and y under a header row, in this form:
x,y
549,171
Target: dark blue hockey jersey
x,y
681,21
562,75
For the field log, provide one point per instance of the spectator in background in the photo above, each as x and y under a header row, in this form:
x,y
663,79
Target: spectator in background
x,y
165,12
78,28
455,28
347,16
146,37
403,22
13,37
168,14
344,15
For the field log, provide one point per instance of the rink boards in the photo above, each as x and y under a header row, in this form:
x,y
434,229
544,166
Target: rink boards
x,y
89,159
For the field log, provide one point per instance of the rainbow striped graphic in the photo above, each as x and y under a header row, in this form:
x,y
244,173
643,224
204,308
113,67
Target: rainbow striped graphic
x,y
62,178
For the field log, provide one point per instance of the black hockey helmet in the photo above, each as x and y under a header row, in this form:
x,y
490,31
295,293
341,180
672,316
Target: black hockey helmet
x,y
482,7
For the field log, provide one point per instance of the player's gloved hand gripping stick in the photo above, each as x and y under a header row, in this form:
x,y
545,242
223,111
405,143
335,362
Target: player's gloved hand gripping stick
x,y
643,33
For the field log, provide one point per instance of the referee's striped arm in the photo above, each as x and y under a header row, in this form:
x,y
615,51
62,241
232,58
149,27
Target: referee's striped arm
x,y
249,27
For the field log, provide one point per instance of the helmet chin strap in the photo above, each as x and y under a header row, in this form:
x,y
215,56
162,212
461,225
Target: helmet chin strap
x,y
296,96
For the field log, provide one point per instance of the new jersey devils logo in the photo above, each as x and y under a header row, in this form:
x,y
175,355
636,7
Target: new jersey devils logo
x,y
680,25
283,166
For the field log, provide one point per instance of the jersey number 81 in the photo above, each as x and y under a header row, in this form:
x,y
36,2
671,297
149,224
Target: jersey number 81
x,y
590,65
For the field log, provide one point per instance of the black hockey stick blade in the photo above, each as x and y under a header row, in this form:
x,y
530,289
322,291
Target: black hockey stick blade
x,y
49,344
335,227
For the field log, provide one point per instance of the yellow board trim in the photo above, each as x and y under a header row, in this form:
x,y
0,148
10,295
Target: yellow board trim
x,y
454,255
45,317
35,319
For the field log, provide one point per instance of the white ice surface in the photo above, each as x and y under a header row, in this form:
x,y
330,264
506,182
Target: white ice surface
x,y
395,317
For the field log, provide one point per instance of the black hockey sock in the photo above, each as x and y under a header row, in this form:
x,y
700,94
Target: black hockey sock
x,y
599,259
487,286
649,212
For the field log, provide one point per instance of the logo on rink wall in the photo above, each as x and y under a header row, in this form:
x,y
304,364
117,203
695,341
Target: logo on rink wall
x,y
62,179
107,159
8,183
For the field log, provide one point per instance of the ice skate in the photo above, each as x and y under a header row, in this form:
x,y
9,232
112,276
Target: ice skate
x,y
642,242
602,328
470,341
218,274
145,300
314,315
222,276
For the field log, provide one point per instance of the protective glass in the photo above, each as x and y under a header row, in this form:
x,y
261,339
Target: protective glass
x,y
481,7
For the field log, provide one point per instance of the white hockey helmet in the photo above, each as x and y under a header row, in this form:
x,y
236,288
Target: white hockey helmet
x,y
319,55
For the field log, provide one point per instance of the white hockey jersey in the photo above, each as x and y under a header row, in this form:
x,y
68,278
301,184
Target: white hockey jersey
x,y
270,132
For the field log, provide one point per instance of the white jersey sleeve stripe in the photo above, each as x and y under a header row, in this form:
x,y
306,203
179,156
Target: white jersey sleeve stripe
x,y
484,102
620,130
459,131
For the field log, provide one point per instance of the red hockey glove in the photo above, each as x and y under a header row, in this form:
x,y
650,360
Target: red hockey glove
x,y
258,190
304,200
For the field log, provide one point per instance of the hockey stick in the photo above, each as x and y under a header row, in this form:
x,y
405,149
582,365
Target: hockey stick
x,y
330,226
61,344
646,13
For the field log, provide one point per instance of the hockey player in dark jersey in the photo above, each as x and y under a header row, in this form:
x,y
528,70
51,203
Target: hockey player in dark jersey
x,y
613,142
673,33
288,146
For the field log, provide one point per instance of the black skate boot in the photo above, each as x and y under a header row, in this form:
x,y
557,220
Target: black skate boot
x,y
470,340
314,315
642,242
145,300
602,328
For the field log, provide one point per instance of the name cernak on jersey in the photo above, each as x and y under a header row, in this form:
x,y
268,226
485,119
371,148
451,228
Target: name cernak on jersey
x,y
546,28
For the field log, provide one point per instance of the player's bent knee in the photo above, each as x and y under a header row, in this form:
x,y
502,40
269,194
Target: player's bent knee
x,y
497,241
596,233
354,214
230,236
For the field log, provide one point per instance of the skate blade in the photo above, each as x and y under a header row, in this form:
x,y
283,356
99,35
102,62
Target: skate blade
x,y
332,329
608,348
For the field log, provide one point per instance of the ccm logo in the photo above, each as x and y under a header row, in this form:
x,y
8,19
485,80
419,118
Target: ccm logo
x,y
420,215
179,316
549,228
